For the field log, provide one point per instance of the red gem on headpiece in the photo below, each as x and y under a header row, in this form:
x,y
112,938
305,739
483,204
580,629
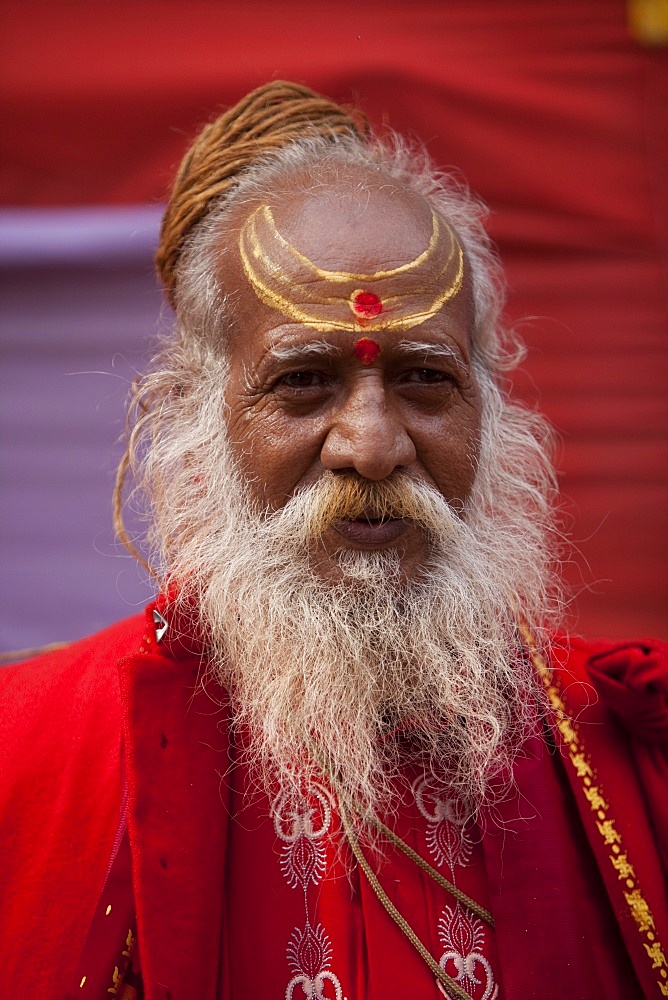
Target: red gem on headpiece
x,y
366,350
366,304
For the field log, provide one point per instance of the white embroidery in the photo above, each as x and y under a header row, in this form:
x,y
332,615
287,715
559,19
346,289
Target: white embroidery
x,y
303,858
309,954
309,950
447,818
302,823
293,815
463,937
314,988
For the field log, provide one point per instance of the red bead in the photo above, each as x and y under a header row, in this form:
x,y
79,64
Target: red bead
x,y
366,304
366,350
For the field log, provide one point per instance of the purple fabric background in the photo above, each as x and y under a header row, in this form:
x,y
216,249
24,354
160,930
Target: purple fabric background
x,y
80,305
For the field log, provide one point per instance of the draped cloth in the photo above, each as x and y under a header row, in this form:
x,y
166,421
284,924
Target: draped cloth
x,y
633,681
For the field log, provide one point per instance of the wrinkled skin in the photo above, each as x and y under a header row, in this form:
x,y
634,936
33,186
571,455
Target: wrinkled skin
x,y
291,418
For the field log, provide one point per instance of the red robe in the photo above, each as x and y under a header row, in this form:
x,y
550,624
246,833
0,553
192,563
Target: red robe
x,y
74,720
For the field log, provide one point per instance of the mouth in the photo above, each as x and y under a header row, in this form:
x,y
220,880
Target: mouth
x,y
370,532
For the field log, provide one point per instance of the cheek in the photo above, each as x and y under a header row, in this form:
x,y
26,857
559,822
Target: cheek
x,y
273,458
451,457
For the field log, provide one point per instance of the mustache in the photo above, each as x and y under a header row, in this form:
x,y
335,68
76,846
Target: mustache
x,y
343,496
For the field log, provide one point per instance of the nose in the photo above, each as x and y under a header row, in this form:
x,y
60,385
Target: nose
x,y
367,435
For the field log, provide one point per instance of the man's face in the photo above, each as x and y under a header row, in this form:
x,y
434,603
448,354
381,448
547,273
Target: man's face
x,y
350,353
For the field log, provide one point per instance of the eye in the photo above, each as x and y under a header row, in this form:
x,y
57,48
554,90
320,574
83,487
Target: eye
x,y
307,383
302,380
428,376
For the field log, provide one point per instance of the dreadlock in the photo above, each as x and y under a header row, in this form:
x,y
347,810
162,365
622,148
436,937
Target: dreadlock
x,y
264,121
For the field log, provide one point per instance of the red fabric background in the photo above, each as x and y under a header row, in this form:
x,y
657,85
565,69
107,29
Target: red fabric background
x,y
553,113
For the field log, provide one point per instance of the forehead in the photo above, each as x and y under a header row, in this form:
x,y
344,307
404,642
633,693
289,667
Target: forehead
x,y
350,252
353,216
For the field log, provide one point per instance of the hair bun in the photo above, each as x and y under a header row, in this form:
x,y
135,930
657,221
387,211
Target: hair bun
x,y
267,119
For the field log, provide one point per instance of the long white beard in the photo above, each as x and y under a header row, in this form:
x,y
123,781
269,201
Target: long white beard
x,y
321,674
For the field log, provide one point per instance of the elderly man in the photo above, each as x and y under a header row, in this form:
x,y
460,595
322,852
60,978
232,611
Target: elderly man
x,y
346,752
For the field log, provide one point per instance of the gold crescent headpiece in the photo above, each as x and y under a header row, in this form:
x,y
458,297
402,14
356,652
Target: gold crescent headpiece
x,y
282,278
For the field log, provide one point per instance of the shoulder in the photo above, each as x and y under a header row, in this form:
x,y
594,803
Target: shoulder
x,y
629,678
63,700
72,679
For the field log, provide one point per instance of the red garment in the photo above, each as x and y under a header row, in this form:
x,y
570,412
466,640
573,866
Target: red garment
x,y
62,816
310,916
109,962
513,869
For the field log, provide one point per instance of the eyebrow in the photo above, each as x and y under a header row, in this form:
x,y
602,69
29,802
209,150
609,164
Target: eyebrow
x,y
419,349
429,351
299,352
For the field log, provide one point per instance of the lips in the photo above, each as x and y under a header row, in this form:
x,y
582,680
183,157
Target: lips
x,y
371,533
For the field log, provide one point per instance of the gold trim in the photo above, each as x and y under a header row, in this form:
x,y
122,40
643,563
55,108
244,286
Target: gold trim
x,y
580,759
274,282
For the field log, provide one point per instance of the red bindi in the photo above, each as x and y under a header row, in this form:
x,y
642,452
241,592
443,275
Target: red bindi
x,y
366,350
366,305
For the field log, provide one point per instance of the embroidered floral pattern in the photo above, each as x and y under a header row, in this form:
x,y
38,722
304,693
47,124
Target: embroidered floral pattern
x,y
302,823
447,818
463,937
309,953
461,934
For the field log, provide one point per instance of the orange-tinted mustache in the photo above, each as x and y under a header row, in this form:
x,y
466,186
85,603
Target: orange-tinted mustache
x,y
345,497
